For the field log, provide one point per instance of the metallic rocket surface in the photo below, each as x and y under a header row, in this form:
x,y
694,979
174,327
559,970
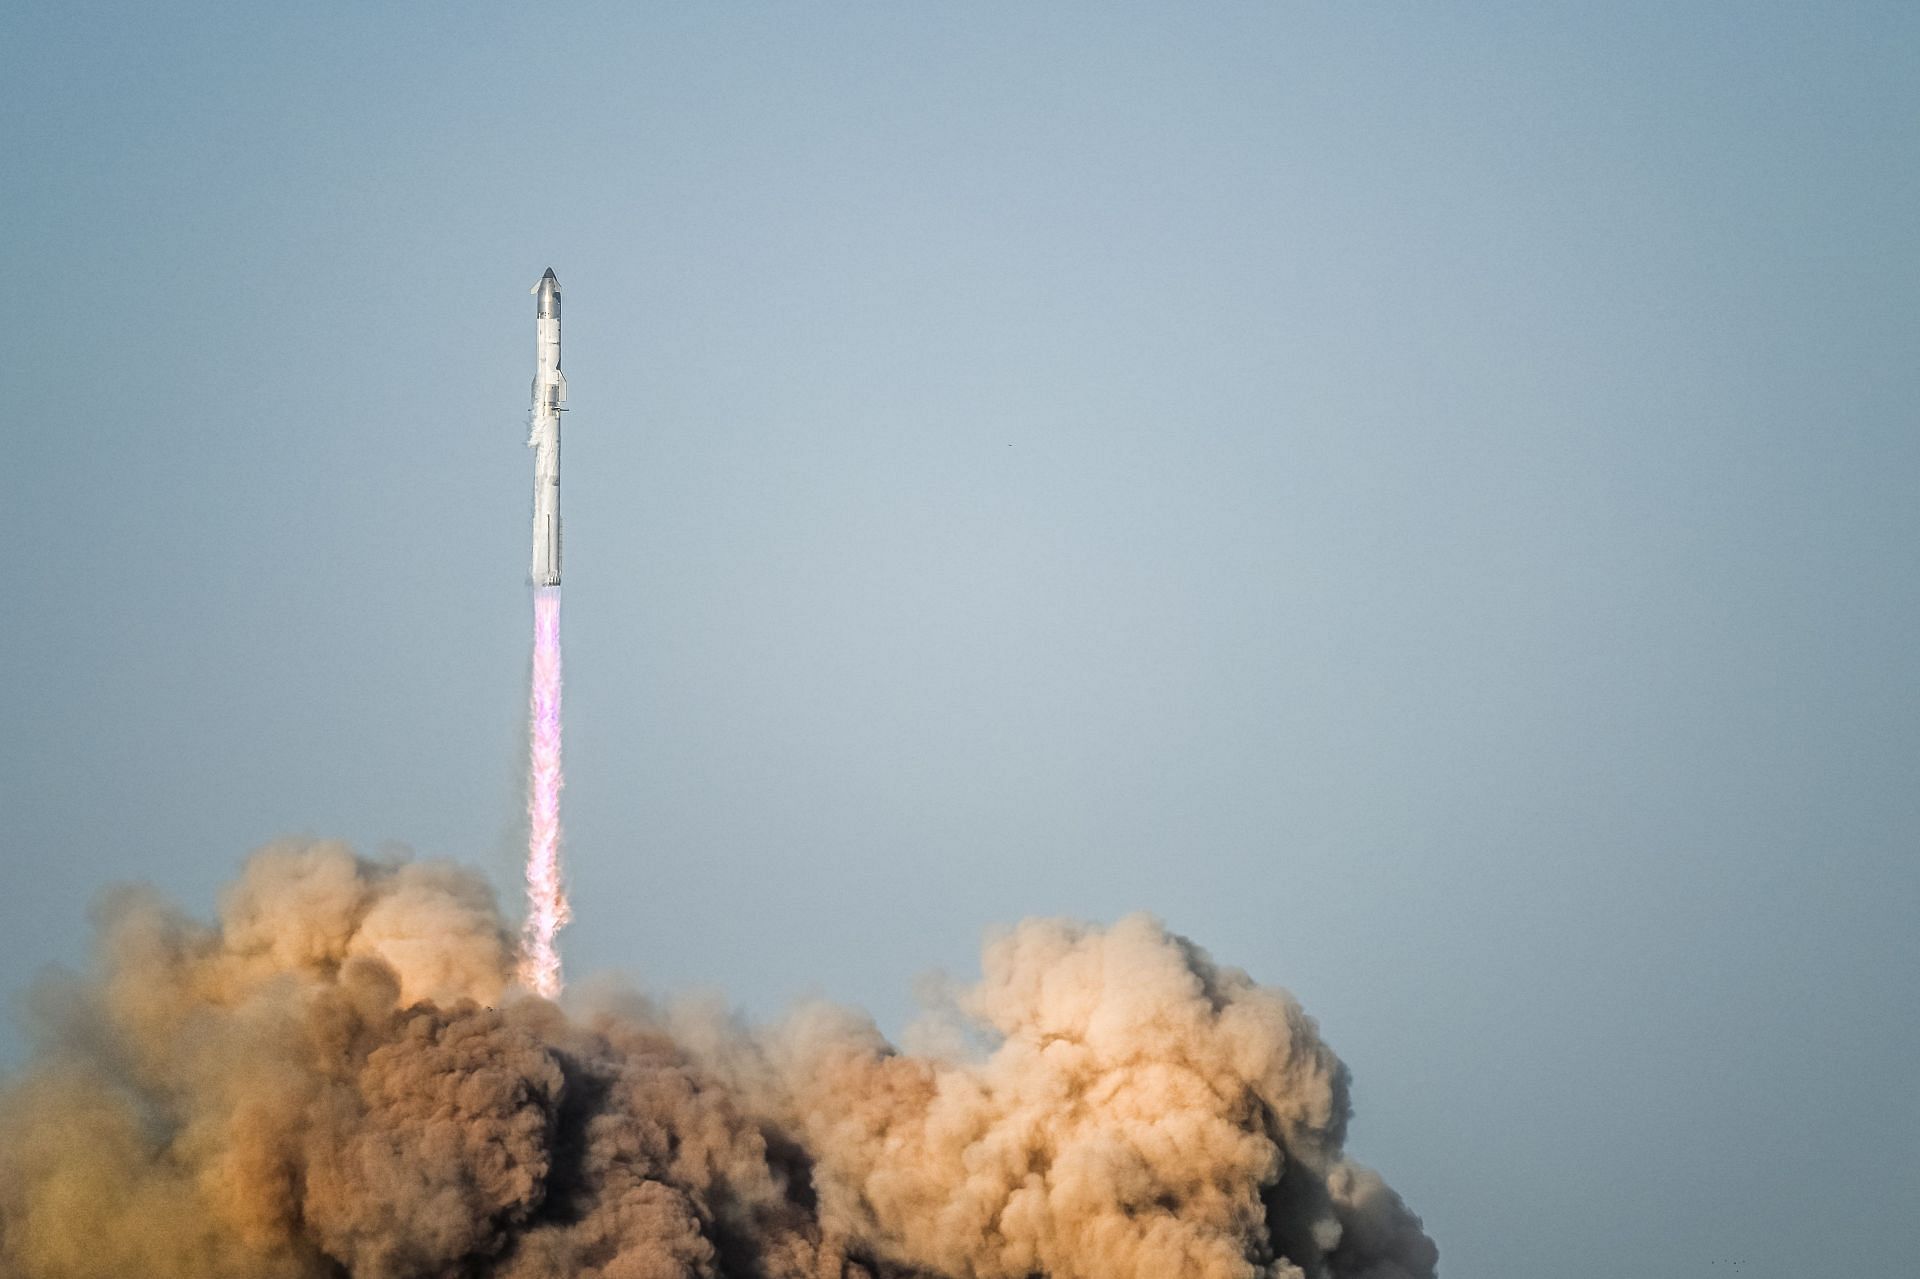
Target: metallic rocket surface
x,y
549,394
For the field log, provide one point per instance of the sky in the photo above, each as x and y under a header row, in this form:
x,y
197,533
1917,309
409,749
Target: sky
x,y
1422,498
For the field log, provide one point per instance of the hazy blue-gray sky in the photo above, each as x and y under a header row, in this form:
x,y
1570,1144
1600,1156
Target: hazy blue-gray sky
x,y
1423,497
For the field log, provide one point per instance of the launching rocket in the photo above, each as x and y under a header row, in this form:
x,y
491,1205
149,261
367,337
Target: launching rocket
x,y
549,394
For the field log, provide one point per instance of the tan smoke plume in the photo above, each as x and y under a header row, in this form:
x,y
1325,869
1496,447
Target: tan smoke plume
x,y
337,1080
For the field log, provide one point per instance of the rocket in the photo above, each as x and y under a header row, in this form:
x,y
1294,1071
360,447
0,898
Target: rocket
x,y
549,394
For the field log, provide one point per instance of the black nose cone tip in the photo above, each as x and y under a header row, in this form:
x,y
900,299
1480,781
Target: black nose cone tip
x,y
551,276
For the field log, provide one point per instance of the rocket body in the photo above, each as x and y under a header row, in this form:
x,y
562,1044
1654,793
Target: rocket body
x,y
549,394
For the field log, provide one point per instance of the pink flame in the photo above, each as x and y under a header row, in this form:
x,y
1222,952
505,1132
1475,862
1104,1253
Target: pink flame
x,y
547,909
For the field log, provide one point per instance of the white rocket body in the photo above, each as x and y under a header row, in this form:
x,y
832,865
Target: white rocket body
x,y
549,394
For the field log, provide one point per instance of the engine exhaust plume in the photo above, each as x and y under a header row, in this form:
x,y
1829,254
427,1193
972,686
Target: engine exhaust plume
x,y
547,909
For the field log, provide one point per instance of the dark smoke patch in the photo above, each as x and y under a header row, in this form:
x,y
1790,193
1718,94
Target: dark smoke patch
x,y
436,1149
336,1080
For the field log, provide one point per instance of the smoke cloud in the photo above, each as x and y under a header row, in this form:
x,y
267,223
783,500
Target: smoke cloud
x,y
339,1079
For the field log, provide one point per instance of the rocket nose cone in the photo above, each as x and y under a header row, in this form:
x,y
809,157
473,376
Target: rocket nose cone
x,y
550,276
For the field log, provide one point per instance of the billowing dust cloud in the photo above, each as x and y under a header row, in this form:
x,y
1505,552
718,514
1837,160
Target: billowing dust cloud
x,y
336,1081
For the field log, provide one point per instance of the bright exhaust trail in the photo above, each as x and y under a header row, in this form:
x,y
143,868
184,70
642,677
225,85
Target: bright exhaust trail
x,y
547,909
